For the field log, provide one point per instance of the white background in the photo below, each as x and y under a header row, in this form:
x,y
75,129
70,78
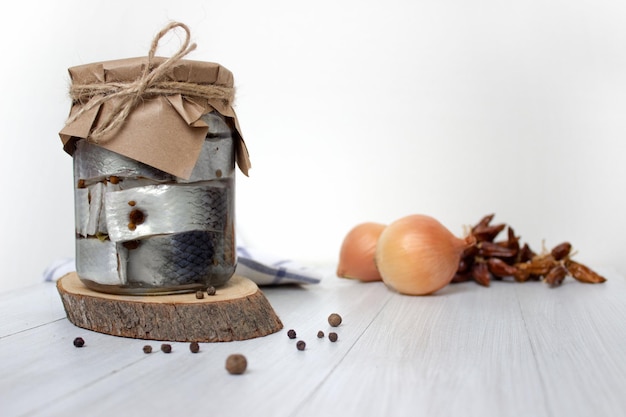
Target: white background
x,y
352,111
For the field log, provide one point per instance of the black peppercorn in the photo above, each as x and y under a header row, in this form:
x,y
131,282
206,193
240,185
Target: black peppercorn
x,y
236,364
210,290
79,342
199,295
291,333
136,216
332,336
147,349
194,347
320,334
334,319
166,348
301,345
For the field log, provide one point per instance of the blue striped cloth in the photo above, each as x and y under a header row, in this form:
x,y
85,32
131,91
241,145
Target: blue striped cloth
x,y
266,269
260,267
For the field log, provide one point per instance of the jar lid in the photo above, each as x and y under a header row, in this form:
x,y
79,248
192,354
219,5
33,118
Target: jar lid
x,y
150,109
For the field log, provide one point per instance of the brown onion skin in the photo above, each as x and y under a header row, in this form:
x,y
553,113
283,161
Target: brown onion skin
x,y
417,255
356,256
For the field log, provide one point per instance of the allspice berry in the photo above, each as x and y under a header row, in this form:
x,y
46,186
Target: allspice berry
x,y
301,345
194,347
210,290
166,348
147,349
236,364
334,319
199,295
332,336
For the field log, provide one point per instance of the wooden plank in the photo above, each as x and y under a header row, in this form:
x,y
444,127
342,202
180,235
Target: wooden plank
x,y
278,379
463,351
578,337
29,307
41,365
508,350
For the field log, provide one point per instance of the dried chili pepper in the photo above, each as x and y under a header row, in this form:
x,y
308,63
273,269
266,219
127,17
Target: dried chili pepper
x,y
583,273
525,254
512,241
556,275
480,273
561,251
491,249
484,222
501,269
465,264
487,233
462,276
489,259
539,265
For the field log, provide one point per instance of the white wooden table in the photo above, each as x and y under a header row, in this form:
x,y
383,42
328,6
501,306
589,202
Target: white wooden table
x,y
509,350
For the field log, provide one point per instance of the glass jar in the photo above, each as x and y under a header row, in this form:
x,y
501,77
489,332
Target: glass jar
x,y
140,230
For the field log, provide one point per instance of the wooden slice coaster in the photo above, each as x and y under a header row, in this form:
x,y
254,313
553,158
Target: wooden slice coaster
x,y
238,311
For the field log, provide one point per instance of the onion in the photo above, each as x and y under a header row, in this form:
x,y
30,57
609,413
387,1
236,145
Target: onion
x,y
356,256
417,255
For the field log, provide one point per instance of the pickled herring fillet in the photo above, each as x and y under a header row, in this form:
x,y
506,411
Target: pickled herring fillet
x,y
95,163
101,261
178,259
216,156
89,214
81,211
88,210
214,162
167,208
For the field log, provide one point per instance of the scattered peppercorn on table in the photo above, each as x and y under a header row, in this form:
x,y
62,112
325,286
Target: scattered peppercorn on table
x,y
513,349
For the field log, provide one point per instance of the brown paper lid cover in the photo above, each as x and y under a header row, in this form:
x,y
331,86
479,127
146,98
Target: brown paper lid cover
x,y
163,130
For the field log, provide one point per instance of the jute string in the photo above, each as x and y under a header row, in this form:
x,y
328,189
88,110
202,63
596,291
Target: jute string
x,y
149,84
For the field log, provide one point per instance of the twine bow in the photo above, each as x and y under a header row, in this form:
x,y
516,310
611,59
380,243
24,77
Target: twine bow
x,y
149,84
